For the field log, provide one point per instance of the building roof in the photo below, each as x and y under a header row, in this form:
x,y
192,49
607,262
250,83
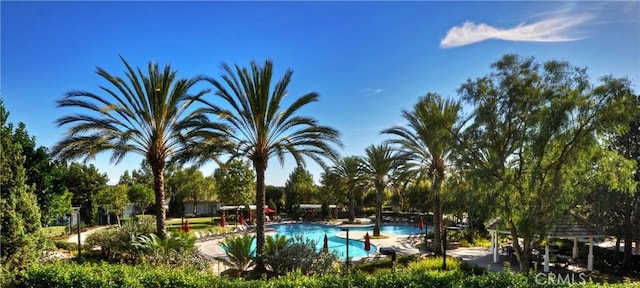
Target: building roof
x,y
315,206
566,226
569,225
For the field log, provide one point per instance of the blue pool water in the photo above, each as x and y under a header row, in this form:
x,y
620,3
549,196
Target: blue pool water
x,y
337,245
393,229
316,232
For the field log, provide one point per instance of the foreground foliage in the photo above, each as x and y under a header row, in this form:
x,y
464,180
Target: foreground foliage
x,y
415,275
21,233
297,254
239,254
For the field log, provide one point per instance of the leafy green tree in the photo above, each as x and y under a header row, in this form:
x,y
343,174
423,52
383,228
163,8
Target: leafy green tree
x,y
22,238
45,175
85,183
461,200
330,192
618,211
300,188
350,174
262,129
142,195
535,139
416,197
149,114
191,184
143,174
379,167
274,196
235,183
115,199
428,140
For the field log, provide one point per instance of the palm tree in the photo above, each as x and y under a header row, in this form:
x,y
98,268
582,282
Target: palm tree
x,y
379,170
262,129
348,169
428,139
144,114
239,254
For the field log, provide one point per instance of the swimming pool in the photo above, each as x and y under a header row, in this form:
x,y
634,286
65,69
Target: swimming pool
x,y
393,229
337,245
316,232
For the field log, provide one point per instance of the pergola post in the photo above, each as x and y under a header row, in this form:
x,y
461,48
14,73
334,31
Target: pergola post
x,y
575,248
491,247
590,257
494,241
546,256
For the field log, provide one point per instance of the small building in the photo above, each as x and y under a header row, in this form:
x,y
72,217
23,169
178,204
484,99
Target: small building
x,y
202,208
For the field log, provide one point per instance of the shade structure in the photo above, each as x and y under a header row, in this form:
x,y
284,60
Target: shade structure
x,y
241,219
222,221
367,242
269,210
186,226
421,223
325,247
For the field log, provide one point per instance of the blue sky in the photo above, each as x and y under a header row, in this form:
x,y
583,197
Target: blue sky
x,y
367,60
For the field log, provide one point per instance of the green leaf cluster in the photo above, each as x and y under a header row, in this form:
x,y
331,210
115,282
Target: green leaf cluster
x,y
21,233
64,275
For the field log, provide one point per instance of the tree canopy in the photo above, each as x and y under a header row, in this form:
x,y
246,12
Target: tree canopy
x,y
22,238
235,183
148,114
534,140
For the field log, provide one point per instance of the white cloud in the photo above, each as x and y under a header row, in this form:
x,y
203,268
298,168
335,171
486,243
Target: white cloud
x,y
371,92
554,29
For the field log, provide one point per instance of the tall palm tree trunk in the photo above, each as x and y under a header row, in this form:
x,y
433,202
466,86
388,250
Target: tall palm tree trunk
x,y
158,188
352,207
260,167
376,228
437,225
437,211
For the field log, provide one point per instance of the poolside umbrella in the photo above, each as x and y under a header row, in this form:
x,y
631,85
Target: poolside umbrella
x,y
325,247
269,210
222,221
421,223
241,218
186,226
367,243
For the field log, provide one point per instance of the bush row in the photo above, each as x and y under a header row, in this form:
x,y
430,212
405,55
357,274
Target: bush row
x,y
118,275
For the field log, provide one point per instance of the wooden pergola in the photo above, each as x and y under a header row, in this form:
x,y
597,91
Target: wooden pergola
x,y
568,226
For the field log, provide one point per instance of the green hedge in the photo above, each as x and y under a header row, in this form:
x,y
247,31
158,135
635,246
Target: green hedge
x,y
117,275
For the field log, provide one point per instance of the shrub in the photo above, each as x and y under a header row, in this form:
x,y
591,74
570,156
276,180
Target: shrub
x,y
299,254
115,242
65,245
75,275
176,250
239,255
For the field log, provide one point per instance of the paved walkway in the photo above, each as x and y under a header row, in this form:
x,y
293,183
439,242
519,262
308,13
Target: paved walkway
x,y
479,256
83,235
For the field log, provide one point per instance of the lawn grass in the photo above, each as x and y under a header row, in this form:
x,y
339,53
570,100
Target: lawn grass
x,y
197,220
197,224
54,231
